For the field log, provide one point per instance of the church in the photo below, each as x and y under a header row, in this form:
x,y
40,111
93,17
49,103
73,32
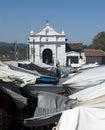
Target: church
x,y
47,46
51,47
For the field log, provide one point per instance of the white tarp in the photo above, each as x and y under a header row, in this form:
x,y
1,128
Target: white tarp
x,y
90,93
82,118
87,66
18,77
92,96
86,78
89,114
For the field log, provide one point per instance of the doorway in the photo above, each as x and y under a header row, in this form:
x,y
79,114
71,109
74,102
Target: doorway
x,y
47,56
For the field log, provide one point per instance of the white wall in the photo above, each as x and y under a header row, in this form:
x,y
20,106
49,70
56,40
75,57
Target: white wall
x,y
53,40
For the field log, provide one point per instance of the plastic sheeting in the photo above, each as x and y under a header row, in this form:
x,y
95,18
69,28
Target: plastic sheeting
x,y
89,114
49,108
19,100
82,118
90,93
39,69
47,88
92,96
18,77
23,70
13,91
86,78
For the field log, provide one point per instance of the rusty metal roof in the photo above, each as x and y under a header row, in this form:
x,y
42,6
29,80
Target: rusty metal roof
x,y
93,52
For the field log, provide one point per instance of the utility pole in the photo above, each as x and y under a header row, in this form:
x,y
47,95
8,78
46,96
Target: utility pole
x,y
33,50
15,50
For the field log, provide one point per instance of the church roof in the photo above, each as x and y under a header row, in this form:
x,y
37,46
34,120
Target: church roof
x,y
48,30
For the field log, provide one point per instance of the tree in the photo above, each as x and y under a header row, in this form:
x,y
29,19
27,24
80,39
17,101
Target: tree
x,y
98,41
11,50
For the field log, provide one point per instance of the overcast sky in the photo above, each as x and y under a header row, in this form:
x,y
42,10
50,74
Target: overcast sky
x,y
81,20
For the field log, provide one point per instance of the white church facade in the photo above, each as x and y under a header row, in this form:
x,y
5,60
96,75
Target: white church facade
x,y
47,46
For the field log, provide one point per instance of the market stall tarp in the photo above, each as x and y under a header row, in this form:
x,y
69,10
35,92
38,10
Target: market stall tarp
x,y
39,69
49,108
47,88
86,78
89,114
23,70
82,118
18,77
93,96
18,99
91,92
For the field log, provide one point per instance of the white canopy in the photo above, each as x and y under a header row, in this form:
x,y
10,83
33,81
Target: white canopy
x,y
89,114
86,78
19,77
82,118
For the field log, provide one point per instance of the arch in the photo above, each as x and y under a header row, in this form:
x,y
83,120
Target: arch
x,y
47,56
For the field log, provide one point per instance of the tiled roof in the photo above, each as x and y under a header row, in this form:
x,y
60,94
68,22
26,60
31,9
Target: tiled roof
x,y
93,52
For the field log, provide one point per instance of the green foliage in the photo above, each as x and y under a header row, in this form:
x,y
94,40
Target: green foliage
x,y
14,51
98,41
